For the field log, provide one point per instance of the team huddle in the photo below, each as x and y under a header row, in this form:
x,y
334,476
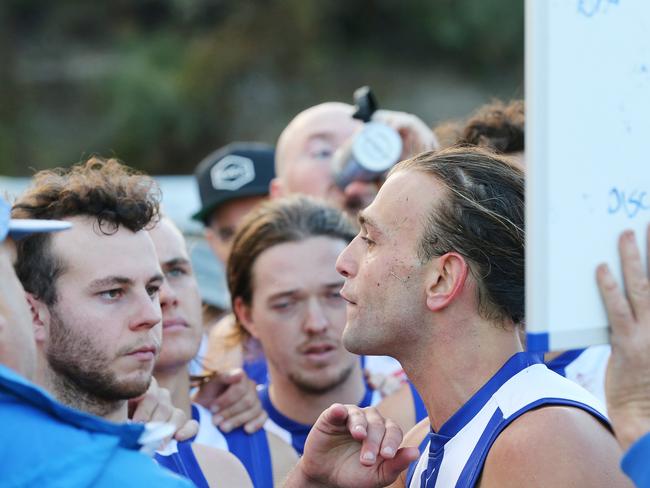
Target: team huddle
x,y
375,334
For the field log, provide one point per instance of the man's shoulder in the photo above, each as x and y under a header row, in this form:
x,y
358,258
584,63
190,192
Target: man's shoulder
x,y
553,445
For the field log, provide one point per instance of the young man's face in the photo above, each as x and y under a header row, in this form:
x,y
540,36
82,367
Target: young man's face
x,y
104,331
179,298
384,279
298,314
17,348
224,221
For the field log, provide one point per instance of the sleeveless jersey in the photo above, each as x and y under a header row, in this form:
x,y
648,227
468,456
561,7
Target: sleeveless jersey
x,y
252,450
456,453
295,433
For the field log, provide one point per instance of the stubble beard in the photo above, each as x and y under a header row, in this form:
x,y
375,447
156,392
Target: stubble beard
x,y
80,374
311,386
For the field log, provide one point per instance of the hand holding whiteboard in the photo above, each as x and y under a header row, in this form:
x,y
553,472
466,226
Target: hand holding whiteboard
x,y
588,149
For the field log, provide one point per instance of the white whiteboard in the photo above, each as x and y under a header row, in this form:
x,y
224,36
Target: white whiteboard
x,y
588,156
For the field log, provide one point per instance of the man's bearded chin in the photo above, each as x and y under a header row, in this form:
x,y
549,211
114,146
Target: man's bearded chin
x,y
81,373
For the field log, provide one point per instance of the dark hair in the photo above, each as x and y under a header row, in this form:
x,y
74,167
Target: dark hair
x,y
275,222
106,190
496,126
482,219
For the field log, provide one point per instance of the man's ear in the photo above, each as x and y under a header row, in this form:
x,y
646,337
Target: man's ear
x,y
276,188
40,317
243,313
447,280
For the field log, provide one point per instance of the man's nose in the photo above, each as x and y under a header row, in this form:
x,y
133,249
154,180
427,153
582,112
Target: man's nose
x,y
316,320
345,264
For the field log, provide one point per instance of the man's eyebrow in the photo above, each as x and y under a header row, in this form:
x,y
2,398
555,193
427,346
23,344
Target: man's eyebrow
x,y
175,262
110,281
282,294
366,221
156,277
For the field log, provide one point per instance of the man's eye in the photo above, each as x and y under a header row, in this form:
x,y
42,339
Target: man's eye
x,y
323,154
113,294
152,291
175,272
226,234
369,242
281,306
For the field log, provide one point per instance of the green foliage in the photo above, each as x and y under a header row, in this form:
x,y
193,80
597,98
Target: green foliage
x,y
160,83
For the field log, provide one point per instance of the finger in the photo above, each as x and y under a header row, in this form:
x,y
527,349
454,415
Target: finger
x,y
164,410
233,376
376,428
209,391
175,416
357,423
391,441
618,309
334,418
391,468
239,396
187,431
235,421
238,414
636,279
257,423
144,409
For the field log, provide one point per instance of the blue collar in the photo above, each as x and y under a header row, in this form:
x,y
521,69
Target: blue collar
x,y
18,388
278,417
291,425
464,414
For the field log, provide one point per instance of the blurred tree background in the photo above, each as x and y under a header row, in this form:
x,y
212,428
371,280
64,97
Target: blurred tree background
x,y
161,83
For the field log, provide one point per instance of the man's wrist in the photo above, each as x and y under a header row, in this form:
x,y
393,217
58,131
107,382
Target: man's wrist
x,y
629,429
299,479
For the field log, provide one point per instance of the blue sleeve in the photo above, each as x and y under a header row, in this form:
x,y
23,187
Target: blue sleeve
x,y
635,462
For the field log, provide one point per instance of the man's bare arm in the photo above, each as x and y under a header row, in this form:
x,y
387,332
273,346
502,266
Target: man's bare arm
x,y
554,446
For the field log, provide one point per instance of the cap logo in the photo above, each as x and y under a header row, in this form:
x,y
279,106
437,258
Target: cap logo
x,y
232,172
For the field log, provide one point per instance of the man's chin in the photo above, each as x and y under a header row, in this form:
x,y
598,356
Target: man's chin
x,y
350,340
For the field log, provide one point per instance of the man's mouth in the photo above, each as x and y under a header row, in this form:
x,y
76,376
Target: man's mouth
x,y
318,351
144,353
351,302
174,324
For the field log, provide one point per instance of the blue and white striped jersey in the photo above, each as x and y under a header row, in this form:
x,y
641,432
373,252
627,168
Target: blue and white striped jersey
x,y
252,450
295,433
455,455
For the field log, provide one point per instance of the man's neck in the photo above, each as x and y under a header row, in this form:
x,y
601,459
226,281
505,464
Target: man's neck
x,y
70,394
449,369
305,408
177,381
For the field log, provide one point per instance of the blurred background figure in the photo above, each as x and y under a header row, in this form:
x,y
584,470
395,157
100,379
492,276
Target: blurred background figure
x,y
266,458
232,181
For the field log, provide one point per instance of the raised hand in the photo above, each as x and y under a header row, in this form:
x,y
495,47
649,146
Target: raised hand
x,y
352,447
627,385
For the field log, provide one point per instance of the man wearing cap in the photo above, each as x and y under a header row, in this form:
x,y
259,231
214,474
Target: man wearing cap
x,y
232,181
89,450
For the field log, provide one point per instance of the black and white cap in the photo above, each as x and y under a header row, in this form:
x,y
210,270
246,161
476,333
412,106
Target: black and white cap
x,y
240,169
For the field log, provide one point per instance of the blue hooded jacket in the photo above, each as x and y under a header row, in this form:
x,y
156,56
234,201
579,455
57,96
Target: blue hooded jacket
x,y
44,443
